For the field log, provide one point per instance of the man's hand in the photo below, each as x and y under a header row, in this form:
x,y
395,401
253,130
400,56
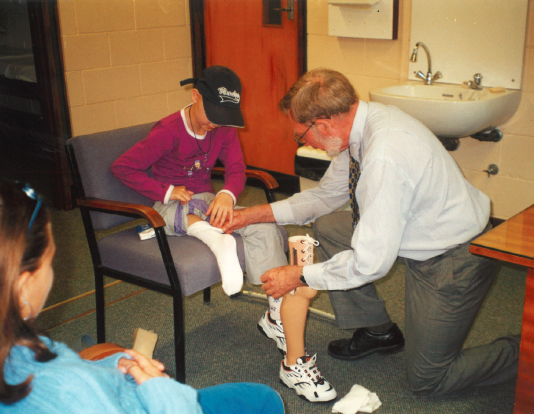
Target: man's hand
x,y
238,221
140,367
281,280
181,193
245,216
221,210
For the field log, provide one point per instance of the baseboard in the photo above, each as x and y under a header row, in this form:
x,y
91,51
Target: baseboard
x,y
496,221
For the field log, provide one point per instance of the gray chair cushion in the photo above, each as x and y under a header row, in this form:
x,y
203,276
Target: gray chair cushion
x,y
195,263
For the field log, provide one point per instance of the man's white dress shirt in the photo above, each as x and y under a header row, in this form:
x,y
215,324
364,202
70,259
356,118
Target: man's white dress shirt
x,y
414,201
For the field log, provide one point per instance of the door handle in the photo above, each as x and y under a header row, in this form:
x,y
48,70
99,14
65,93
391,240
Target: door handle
x,y
290,10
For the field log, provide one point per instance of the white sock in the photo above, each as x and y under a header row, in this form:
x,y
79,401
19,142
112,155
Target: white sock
x,y
224,248
274,307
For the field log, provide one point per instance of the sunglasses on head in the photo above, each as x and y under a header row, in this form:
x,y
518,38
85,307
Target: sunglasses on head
x,y
30,192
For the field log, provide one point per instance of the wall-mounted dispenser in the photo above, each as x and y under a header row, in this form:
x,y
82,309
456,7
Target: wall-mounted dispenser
x,y
367,19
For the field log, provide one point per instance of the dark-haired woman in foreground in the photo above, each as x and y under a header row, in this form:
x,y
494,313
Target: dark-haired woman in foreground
x,y
38,375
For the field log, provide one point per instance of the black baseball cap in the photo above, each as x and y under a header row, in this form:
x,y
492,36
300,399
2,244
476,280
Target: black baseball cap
x,y
220,88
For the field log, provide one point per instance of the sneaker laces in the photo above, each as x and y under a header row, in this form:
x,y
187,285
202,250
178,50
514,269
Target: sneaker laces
x,y
307,249
315,375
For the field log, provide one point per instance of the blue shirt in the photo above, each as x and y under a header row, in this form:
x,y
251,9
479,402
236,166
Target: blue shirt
x,y
68,384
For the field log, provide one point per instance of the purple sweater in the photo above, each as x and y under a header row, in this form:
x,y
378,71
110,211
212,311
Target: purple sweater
x,y
178,158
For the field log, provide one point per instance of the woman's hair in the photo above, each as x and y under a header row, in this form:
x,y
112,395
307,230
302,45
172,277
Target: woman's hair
x,y
319,93
22,246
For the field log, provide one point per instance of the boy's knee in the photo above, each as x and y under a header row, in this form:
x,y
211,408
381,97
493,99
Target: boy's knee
x,y
272,230
262,231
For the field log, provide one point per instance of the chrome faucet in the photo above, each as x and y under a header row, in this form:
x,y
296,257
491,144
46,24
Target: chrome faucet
x,y
476,83
428,79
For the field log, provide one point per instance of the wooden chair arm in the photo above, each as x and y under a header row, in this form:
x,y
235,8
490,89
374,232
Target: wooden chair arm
x,y
100,351
146,212
267,179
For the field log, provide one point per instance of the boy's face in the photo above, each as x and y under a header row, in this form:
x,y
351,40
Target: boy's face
x,y
198,115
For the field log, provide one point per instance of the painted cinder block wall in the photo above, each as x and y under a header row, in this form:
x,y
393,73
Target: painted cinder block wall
x,y
124,60
372,63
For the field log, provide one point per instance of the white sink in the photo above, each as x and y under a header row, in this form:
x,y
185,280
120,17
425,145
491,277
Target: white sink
x,y
451,111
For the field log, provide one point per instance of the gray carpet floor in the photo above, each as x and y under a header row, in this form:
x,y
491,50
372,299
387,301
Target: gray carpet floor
x,y
223,344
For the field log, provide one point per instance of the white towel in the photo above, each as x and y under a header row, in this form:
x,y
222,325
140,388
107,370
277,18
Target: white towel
x,y
359,399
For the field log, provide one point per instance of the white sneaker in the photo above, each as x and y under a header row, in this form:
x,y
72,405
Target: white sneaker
x,y
306,379
273,329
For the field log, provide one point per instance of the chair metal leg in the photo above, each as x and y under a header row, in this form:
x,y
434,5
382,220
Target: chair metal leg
x,y
270,195
179,337
100,307
207,295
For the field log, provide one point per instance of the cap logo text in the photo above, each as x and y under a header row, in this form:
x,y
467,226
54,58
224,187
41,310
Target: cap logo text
x,y
227,96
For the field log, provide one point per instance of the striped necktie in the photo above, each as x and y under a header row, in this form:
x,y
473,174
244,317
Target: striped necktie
x,y
354,176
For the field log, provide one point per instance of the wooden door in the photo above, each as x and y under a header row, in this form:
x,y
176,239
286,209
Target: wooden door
x,y
268,59
44,24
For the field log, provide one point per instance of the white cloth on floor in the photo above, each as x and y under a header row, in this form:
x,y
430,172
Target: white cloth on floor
x,y
359,399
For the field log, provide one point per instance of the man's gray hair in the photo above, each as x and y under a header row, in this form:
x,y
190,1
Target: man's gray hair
x,y
319,93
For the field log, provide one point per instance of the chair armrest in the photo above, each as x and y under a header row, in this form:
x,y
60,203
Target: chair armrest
x,y
100,351
266,178
146,212
268,182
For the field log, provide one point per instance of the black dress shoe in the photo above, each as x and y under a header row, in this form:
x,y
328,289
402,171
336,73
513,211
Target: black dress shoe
x,y
364,342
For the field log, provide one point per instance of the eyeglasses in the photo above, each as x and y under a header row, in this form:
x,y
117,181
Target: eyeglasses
x,y
30,192
299,139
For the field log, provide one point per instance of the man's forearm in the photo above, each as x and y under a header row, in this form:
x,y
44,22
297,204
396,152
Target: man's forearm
x,y
260,214
251,215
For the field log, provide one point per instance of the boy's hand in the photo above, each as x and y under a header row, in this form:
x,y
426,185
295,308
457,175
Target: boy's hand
x,y
140,367
221,210
181,193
